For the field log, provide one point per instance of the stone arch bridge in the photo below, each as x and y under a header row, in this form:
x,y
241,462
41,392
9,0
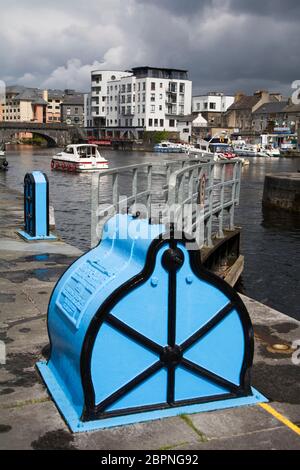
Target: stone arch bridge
x,y
56,134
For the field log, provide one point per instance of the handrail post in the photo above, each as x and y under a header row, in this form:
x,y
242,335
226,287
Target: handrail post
x,y
221,213
210,204
233,192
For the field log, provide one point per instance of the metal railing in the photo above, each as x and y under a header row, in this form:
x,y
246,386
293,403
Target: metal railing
x,y
151,188
221,191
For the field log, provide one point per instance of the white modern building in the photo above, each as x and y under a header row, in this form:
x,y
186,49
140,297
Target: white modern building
x,y
148,97
212,102
98,98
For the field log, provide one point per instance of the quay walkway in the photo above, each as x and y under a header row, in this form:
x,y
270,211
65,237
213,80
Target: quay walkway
x,y
29,418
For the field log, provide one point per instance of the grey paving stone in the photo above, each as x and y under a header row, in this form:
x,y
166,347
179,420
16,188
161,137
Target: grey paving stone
x,y
29,424
233,422
159,434
273,439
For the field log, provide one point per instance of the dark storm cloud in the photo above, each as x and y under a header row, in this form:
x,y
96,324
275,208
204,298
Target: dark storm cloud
x,y
281,9
225,44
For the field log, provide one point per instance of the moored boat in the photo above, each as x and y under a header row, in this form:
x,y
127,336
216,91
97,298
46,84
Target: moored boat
x,y
3,161
80,157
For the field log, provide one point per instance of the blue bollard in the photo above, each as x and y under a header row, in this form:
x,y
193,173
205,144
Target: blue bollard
x,y
36,207
139,330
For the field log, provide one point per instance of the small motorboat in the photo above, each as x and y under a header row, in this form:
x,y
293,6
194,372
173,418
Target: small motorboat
x,y
169,147
3,161
80,157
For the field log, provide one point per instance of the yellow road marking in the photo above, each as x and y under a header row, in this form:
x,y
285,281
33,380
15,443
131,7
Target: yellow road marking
x,y
280,417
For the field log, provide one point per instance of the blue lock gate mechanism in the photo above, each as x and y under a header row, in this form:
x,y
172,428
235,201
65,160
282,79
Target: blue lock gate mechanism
x,y
36,208
140,330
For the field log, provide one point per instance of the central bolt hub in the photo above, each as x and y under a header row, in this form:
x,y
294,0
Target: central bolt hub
x,y
173,259
171,355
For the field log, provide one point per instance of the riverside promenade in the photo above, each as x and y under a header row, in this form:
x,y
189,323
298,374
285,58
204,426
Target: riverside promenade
x,y
29,418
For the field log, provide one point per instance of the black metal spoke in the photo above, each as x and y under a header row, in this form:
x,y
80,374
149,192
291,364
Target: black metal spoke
x,y
171,385
201,371
133,334
128,387
207,327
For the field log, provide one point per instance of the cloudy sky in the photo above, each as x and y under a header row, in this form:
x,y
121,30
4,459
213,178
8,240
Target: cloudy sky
x,y
226,45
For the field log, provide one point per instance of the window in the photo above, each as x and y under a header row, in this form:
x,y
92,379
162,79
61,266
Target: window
x,y
205,105
198,106
160,96
143,108
123,110
155,122
152,98
128,87
113,77
186,130
123,89
181,87
152,109
160,107
144,97
139,121
138,109
160,85
128,98
144,86
153,86
161,123
139,86
150,122
172,122
143,122
103,98
212,105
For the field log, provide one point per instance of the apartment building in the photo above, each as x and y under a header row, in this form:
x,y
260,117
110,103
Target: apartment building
x,y
24,104
96,110
55,99
149,97
212,102
72,109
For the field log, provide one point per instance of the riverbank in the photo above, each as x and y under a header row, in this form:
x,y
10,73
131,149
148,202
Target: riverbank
x,y
29,418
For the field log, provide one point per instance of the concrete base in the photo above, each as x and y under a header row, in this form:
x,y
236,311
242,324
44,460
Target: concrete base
x,y
28,238
76,425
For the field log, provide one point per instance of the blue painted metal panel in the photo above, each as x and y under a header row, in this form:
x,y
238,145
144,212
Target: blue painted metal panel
x,y
140,330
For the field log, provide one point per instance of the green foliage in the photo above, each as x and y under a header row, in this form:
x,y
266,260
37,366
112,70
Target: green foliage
x,y
156,136
35,140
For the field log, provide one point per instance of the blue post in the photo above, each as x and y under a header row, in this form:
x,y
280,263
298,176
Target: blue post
x,y
139,330
36,207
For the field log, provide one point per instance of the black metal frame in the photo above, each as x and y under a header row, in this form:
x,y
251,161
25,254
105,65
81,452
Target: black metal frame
x,y
171,355
29,181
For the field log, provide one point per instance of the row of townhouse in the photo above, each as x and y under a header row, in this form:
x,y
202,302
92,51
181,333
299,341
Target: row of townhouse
x,y
23,104
261,112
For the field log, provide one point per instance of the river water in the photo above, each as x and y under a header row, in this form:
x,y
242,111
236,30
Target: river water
x,y
270,241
